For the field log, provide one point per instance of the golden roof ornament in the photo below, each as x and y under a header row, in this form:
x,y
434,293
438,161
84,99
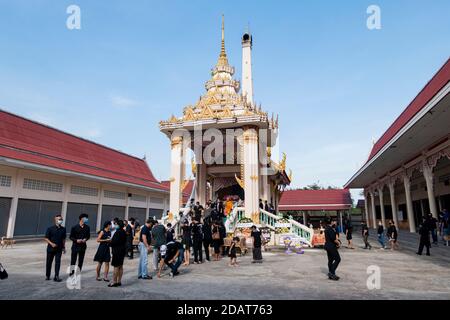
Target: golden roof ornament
x,y
223,60
239,181
282,164
173,119
193,167
184,184
189,114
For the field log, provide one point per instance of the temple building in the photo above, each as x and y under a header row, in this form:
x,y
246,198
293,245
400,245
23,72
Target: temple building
x,y
237,160
311,206
407,174
45,171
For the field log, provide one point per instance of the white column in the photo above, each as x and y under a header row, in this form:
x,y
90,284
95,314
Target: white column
x,y
428,175
374,213
247,81
66,199
127,205
409,205
251,174
177,176
393,202
265,192
201,183
147,207
381,198
13,209
366,209
100,208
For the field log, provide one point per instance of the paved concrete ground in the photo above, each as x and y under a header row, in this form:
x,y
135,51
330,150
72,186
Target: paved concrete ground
x,y
404,275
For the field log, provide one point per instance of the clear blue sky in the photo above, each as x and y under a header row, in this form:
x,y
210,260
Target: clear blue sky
x,y
335,84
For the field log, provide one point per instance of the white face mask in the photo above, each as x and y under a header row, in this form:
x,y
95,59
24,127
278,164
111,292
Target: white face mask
x,y
59,222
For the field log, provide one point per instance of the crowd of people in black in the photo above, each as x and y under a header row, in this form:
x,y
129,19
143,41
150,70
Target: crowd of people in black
x,y
201,230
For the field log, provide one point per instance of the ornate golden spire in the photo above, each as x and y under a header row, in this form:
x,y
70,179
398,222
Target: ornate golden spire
x,y
223,61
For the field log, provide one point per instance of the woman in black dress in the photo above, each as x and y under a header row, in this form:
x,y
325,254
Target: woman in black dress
x,y
118,245
216,240
186,241
103,254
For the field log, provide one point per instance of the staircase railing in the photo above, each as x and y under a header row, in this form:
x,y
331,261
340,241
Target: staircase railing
x,y
268,219
302,231
236,214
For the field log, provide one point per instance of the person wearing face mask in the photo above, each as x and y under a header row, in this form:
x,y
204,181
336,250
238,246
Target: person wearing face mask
x,y
79,235
114,226
332,244
103,255
56,246
380,234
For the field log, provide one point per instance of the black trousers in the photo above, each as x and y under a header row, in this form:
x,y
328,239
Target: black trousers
x,y
333,259
130,252
56,255
424,244
79,253
206,245
366,241
198,254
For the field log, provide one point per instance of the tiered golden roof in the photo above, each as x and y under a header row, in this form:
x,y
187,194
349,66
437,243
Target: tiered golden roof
x,y
222,99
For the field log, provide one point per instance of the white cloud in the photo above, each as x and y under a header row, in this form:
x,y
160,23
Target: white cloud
x,y
123,102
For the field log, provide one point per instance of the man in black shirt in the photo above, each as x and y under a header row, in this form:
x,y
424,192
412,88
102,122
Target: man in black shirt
x,y
365,235
256,235
56,245
79,235
197,239
261,204
144,247
266,206
424,232
332,244
198,211
130,234
172,255
207,236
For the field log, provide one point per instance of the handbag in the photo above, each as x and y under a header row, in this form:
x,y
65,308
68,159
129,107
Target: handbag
x,y
216,235
3,273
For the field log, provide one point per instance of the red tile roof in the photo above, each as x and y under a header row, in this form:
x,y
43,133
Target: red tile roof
x,y
32,142
315,200
440,80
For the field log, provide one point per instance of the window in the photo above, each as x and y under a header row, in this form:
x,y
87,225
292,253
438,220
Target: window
x,y
115,194
156,200
5,181
138,198
84,191
41,185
